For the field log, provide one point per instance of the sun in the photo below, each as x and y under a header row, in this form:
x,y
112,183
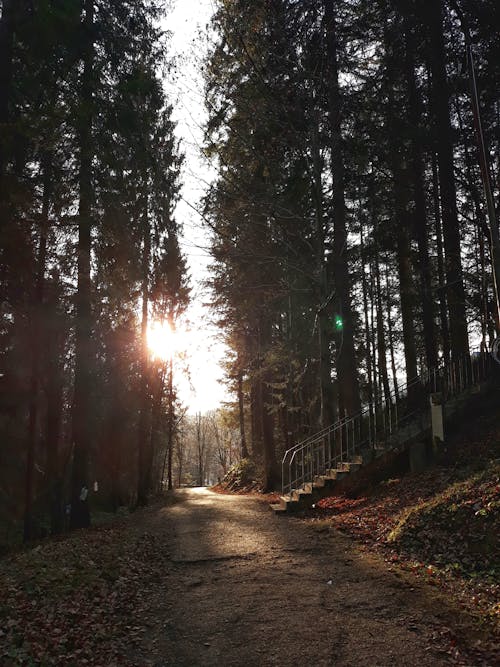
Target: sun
x,y
163,341
196,361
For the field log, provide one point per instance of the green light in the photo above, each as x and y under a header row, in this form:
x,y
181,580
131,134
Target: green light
x,y
338,322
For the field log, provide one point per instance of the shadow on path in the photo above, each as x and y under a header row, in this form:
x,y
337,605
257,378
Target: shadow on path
x,y
248,588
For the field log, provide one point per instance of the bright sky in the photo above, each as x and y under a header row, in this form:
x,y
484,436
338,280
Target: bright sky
x,y
187,21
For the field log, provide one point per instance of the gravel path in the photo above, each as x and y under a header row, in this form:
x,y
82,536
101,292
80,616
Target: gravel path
x,y
247,588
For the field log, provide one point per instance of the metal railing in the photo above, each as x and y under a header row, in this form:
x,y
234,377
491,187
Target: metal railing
x,y
391,421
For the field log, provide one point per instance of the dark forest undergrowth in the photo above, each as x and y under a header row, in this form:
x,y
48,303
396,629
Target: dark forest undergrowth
x,y
73,600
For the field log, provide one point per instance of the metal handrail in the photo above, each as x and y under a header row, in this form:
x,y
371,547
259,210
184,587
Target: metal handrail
x,y
377,423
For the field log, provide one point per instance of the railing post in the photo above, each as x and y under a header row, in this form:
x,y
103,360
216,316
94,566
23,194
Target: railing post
x,y
437,421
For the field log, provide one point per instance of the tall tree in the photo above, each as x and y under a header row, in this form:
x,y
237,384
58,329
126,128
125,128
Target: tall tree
x,y
348,388
84,363
432,14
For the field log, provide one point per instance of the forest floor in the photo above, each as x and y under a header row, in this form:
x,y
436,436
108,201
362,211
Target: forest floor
x,y
213,579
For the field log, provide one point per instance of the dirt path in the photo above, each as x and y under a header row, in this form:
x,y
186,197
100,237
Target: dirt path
x,y
247,588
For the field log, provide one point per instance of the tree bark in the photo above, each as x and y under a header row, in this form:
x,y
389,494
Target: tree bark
x,y
170,432
417,171
390,333
144,418
6,54
348,386
80,512
368,351
241,415
381,346
56,333
36,350
443,310
327,408
433,15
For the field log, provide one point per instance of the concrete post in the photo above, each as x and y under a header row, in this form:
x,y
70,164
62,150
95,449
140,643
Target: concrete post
x,y
437,421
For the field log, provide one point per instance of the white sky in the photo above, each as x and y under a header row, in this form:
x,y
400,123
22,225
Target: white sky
x,y
187,20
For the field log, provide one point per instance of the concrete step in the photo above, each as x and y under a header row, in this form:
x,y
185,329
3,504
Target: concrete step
x,y
311,492
302,495
324,482
349,466
278,509
340,474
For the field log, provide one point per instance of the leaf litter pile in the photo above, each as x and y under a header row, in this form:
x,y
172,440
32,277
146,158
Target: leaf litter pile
x,y
80,600
441,526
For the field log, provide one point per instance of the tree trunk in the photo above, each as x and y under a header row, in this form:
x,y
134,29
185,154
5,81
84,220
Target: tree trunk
x,y
270,463
256,408
348,387
241,415
144,418
443,310
391,336
36,350
381,346
368,351
6,47
200,441
170,433
417,172
401,194
327,409
433,14
406,287
80,512
55,400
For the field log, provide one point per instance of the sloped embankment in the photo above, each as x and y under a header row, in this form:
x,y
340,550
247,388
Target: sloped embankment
x,y
441,526
458,528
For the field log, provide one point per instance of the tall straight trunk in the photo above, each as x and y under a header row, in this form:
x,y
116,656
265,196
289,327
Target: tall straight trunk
x,y
494,234
6,54
200,441
255,421
482,229
443,310
6,57
241,416
421,227
401,195
433,14
80,512
368,352
270,463
169,451
266,417
156,416
36,350
55,400
381,346
180,469
170,430
406,288
479,256
327,408
390,333
373,336
348,386
144,418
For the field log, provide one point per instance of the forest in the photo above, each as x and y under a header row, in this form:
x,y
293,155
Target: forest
x,y
351,224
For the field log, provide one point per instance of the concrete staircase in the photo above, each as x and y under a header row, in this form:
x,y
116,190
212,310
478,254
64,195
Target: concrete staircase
x,y
320,465
322,486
